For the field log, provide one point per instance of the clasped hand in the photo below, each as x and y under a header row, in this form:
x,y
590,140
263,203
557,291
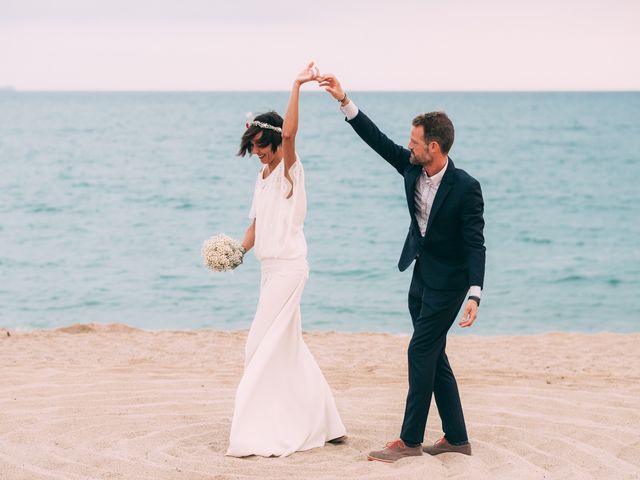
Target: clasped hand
x,y
328,81
309,74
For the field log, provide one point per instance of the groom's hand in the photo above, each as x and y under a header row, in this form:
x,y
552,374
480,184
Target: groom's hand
x,y
331,84
469,314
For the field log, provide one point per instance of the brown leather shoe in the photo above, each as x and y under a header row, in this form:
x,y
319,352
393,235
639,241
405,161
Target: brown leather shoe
x,y
442,446
393,451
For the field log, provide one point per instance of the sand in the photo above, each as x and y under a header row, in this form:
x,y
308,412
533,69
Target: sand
x,y
113,402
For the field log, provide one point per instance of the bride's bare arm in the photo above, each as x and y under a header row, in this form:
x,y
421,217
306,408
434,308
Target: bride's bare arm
x,y
290,127
249,237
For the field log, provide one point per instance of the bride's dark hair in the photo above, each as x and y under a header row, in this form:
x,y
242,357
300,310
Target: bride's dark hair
x,y
269,137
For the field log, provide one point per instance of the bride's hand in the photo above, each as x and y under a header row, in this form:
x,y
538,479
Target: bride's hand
x,y
308,74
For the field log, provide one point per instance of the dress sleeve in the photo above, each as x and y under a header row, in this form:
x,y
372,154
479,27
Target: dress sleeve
x,y
252,212
296,175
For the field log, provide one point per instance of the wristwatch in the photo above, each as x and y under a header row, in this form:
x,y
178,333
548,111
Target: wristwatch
x,y
475,299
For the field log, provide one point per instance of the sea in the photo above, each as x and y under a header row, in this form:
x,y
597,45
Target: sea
x,y
106,199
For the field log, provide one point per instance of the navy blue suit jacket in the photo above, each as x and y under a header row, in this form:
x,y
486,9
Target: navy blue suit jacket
x,y
452,253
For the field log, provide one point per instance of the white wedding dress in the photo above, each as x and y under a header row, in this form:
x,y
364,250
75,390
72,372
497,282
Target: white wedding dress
x,y
283,403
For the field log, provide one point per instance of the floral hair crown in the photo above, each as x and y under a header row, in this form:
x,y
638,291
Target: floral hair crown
x,y
263,125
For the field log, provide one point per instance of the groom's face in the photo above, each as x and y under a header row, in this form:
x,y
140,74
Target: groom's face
x,y
420,154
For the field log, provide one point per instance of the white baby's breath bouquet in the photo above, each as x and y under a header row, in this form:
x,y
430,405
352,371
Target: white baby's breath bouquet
x,y
222,253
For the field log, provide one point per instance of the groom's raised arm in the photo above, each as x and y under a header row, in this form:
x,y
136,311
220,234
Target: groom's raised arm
x,y
396,155
368,131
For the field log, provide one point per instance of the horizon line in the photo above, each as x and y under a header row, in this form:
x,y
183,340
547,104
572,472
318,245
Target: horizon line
x,y
11,89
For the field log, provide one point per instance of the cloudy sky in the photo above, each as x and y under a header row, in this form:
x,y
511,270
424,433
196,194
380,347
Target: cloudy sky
x,y
369,44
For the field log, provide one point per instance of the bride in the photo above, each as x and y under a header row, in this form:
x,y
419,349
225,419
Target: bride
x,y
283,403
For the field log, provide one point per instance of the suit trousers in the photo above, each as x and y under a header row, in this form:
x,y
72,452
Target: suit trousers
x,y
432,312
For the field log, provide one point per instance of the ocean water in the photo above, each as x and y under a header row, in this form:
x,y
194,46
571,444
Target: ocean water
x,y
106,198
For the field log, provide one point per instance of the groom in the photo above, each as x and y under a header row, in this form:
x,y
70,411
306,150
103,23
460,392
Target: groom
x,y
446,241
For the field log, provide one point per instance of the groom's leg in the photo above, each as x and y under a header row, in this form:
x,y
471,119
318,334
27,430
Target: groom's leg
x,y
415,295
438,310
445,391
422,358
437,313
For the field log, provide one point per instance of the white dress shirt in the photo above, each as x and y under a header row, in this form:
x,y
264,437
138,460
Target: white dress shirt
x,y
426,189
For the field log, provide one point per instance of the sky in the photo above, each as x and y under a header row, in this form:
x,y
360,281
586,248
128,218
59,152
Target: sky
x,y
446,45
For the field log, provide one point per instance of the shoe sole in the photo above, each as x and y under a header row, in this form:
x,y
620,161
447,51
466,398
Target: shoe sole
x,y
374,459
339,440
439,452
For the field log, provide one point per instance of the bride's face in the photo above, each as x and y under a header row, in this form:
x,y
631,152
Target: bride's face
x,y
265,154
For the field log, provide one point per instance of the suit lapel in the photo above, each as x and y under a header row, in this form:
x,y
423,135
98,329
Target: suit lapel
x,y
443,191
410,187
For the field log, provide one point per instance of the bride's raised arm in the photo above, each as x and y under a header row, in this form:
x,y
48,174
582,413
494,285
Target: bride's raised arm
x,y
290,127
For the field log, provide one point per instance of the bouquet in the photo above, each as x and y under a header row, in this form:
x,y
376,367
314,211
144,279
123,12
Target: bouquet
x,y
221,253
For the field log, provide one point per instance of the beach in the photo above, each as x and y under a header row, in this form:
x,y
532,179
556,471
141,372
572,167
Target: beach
x,y
96,401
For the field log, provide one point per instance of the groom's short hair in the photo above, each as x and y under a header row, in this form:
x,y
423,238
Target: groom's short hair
x,y
437,128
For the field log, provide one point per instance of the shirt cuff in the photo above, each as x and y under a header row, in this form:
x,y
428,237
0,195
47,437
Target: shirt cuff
x,y
350,110
475,291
